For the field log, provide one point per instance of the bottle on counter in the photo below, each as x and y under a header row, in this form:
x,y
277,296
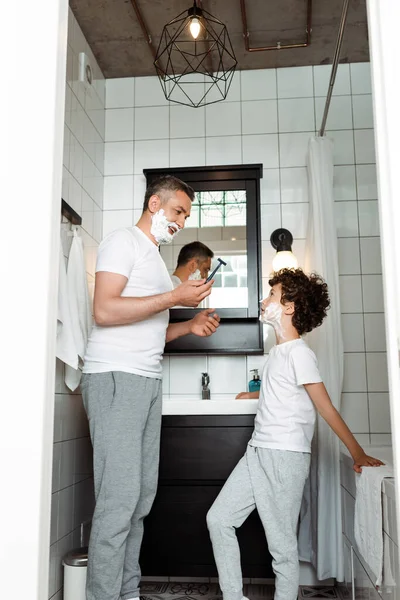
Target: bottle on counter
x,y
255,383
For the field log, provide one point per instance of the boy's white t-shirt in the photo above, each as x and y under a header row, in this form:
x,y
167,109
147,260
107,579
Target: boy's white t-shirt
x,y
285,416
137,347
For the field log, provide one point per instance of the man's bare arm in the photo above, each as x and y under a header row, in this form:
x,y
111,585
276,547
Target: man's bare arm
x,y
110,308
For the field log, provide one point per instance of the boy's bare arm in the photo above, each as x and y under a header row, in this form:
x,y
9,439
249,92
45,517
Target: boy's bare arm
x,y
324,406
248,396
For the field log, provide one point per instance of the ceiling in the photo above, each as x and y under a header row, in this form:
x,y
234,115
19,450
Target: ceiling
x,y
120,47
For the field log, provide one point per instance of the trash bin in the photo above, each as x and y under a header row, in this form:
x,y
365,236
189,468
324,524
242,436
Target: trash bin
x,y
75,568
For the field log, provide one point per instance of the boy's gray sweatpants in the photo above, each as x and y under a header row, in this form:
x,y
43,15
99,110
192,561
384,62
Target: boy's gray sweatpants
x,y
124,412
273,481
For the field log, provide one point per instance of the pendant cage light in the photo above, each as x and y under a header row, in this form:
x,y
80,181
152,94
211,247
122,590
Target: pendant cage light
x,y
195,61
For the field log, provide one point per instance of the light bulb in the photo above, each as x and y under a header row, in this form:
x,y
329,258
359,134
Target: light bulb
x,y
284,260
195,27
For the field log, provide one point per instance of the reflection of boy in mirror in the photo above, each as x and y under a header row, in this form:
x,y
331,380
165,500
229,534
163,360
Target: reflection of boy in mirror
x,y
194,262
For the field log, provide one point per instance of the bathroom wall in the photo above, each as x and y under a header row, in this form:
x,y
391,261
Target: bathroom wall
x,y
268,118
72,495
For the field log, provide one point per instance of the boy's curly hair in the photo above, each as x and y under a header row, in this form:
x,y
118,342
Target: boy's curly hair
x,y
309,295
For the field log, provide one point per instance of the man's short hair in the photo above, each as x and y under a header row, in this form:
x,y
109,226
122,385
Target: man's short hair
x,y
194,250
164,186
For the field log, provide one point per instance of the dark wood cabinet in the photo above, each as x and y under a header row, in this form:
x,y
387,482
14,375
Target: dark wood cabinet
x,y
198,454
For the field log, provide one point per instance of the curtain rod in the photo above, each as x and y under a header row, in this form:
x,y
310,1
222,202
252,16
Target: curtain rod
x,y
335,64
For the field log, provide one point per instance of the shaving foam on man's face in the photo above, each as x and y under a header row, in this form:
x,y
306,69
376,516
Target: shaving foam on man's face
x,y
163,230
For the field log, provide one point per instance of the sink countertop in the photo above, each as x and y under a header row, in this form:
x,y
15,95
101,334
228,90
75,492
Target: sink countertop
x,y
220,404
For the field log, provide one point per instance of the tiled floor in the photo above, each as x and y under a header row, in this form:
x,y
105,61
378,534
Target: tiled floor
x,y
211,591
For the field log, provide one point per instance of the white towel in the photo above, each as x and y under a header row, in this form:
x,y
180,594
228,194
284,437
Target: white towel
x,y
66,348
368,517
79,305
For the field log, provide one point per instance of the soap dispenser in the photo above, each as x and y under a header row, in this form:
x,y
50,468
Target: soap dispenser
x,y
255,383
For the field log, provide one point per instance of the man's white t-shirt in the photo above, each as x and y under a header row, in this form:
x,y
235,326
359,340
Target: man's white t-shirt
x,y
138,347
285,416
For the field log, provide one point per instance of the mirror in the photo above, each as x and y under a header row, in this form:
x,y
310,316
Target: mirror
x,y
218,220
224,217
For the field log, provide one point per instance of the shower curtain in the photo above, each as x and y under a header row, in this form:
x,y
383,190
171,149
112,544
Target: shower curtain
x,y
320,533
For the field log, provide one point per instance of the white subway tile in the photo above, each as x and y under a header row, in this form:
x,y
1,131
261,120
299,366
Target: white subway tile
x,y
372,287
346,215
118,192
362,112
360,74
139,190
185,374
188,152
350,294
322,74
293,149
377,372
56,461
148,92
355,377
67,463
114,219
296,115
65,511
343,147
353,332
225,150
259,116
379,412
366,182
223,119
227,374
152,123
258,84
118,158
295,218
120,92
270,220
270,187
119,125
364,146
370,256
187,122
369,218
344,183
294,185
151,154
340,113
375,338
295,82
354,410
349,256
261,149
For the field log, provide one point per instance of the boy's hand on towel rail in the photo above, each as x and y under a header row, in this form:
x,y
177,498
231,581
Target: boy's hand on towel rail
x,y
363,460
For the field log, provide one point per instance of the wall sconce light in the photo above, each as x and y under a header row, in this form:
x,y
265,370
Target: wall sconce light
x,y
282,240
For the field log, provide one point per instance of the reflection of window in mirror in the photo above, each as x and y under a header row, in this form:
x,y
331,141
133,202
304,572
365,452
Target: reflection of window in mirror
x,y
218,220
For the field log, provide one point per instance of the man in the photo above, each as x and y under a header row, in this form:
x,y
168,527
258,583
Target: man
x,y
121,385
194,262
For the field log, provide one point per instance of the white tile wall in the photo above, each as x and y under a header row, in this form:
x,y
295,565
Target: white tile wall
x,y
83,187
268,118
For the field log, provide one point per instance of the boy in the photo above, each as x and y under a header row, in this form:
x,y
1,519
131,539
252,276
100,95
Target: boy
x,y
272,473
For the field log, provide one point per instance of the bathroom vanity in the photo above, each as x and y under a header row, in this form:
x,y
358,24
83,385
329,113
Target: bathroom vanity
x,y
198,452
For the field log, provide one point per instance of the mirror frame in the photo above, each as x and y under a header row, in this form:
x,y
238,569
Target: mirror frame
x,y
240,331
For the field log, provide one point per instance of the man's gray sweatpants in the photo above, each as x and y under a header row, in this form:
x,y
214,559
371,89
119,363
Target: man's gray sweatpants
x,y
124,412
273,481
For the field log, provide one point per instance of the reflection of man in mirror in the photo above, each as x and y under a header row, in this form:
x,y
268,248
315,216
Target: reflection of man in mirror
x,y
194,262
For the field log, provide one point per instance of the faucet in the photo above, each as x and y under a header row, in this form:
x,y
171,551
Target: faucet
x,y
205,390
